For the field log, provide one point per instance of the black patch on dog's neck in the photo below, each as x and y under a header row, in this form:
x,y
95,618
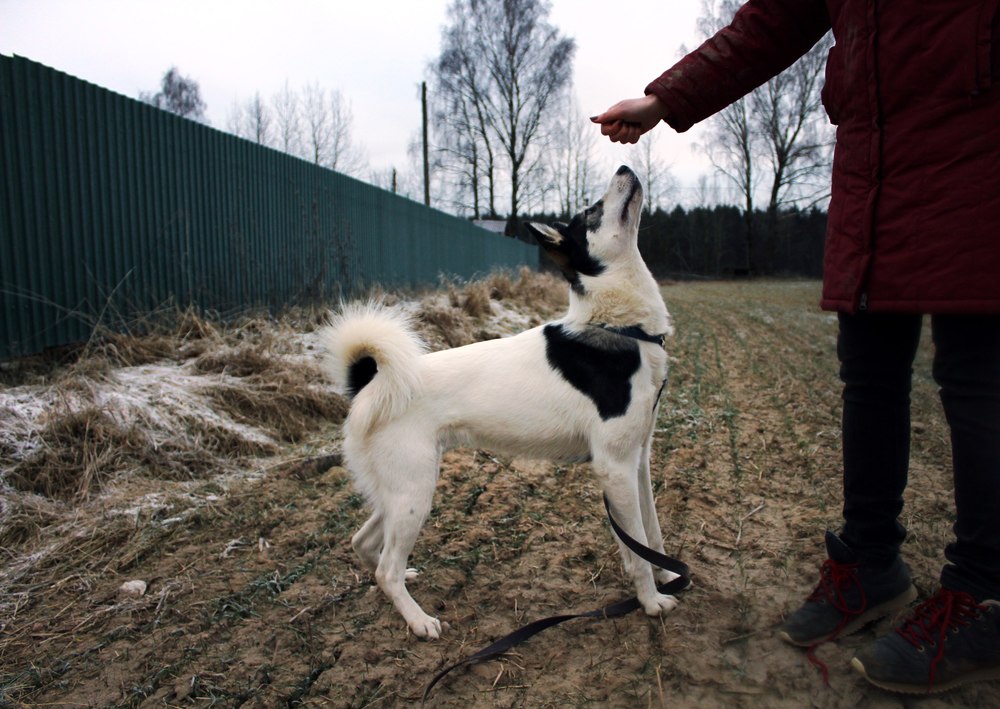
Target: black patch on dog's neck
x,y
598,364
359,374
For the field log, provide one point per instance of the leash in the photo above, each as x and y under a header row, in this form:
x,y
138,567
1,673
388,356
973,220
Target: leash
x,y
615,610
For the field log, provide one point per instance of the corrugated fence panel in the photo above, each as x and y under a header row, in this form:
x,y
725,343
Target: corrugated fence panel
x,y
112,210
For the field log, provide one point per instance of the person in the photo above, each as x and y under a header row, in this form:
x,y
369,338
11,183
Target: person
x,y
913,229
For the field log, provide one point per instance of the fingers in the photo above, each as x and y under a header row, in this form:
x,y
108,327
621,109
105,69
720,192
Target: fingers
x,y
621,131
627,120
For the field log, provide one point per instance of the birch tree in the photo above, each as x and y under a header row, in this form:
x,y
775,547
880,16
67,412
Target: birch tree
x,y
503,68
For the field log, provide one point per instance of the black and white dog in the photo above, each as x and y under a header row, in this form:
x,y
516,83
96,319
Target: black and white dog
x,y
585,387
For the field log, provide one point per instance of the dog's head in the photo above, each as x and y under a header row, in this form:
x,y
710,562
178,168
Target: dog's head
x,y
600,235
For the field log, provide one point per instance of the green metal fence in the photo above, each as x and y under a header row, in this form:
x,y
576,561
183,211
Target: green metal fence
x,y
110,208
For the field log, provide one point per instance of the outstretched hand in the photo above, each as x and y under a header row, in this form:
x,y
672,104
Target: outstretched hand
x,y
627,120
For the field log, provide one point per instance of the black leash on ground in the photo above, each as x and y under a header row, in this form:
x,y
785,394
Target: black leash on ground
x,y
614,610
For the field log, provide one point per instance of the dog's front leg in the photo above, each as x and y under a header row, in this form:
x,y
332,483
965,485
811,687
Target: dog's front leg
x,y
620,483
650,522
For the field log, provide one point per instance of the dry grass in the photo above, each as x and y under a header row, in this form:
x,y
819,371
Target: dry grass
x,y
282,404
79,452
86,432
459,315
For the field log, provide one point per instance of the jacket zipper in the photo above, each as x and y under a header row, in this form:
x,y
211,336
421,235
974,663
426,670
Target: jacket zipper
x,y
863,302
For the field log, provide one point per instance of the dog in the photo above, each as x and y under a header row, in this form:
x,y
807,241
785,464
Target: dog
x,y
585,387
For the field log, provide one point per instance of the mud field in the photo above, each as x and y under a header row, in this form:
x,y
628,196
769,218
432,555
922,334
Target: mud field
x,y
203,463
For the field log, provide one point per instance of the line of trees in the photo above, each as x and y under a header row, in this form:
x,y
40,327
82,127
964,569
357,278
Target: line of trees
x,y
708,242
314,123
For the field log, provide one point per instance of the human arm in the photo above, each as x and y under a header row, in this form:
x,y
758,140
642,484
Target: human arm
x,y
764,38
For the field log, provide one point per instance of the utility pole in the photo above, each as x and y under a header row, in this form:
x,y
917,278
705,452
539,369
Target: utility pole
x,y
427,168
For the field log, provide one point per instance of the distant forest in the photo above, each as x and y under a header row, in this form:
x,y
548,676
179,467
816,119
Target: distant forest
x,y
711,242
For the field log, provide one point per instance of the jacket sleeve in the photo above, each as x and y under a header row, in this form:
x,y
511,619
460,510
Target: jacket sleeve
x,y
764,38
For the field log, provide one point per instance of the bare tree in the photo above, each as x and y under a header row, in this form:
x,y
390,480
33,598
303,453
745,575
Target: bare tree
x,y
571,160
530,64
287,124
252,120
316,126
706,191
659,181
327,129
792,125
776,129
464,140
732,150
343,154
178,94
508,66
732,145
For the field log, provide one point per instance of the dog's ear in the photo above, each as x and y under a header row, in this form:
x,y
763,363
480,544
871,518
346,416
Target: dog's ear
x,y
545,235
556,245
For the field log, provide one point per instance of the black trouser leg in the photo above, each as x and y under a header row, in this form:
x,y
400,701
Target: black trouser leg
x,y
967,368
876,354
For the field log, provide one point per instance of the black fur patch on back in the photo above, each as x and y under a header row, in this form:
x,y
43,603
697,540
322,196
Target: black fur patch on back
x,y
359,374
597,363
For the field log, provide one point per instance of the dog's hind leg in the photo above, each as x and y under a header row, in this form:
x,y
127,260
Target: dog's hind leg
x,y
404,508
367,541
620,483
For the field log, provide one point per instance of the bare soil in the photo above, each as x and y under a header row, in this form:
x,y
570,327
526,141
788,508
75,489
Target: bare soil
x,y
254,598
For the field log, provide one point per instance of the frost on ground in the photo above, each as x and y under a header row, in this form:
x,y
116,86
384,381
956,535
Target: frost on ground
x,y
103,438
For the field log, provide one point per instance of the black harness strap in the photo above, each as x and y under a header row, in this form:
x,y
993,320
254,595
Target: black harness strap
x,y
614,610
635,332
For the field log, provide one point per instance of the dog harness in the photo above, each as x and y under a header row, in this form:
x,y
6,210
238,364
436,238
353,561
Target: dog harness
x,y
635,332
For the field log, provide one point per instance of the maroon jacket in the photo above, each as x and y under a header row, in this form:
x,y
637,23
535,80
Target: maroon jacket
x,y
914,89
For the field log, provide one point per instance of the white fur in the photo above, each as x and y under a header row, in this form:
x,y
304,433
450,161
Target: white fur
x,y
502,395
370,330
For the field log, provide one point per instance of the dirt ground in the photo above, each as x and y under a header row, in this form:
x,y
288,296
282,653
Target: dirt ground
x,y
253,597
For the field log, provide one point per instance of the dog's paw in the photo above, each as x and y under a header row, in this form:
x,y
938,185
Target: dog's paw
x,y
410,574
425,627
659,604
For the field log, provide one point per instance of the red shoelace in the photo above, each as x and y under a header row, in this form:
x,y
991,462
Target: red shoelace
x,y
834,580
932,620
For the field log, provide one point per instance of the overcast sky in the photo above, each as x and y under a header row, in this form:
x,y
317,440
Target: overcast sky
x,y
374,51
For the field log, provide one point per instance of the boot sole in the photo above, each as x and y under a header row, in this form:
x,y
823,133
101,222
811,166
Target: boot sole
x,y
872,614
924,688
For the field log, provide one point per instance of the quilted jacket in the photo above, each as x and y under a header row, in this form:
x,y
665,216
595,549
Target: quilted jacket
x,y
914,90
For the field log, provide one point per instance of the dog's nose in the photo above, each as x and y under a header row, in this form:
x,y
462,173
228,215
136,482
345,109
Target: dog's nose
x,y
623,170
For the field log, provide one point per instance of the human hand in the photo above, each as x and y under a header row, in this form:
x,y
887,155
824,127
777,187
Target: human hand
x,y
627,120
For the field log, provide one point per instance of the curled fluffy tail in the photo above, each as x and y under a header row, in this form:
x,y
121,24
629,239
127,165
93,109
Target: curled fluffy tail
x,y
373,349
